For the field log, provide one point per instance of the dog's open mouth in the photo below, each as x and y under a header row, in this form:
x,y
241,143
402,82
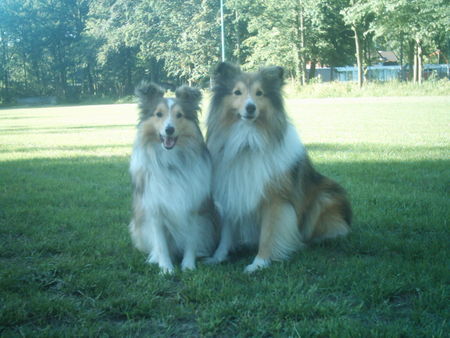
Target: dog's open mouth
x,y
168,142
246,117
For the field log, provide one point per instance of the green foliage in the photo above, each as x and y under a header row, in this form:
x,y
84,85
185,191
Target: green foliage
x,y
38,40
74,49
190,28
67,266
182,35
290,33
418,19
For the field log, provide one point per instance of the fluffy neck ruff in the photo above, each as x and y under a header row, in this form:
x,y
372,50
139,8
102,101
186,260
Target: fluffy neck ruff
x,y
242,173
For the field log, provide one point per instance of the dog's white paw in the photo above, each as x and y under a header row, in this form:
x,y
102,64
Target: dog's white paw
x,y
214,260
152,258
188,264
218,257
258,264
166,270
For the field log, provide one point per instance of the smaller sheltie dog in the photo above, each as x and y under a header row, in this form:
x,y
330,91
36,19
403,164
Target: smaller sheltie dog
x,y
266,189
171,174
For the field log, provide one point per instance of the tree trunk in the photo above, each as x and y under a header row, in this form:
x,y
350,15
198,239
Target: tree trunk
x,y
129,72
358,56
5,60
402,75
37,73
302,43
238,38
411,59
312,70
91,90
300,47
419,62
61,69
25,74
416,65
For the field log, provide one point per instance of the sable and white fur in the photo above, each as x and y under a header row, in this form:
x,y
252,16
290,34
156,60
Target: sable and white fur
x,y
171,173
264,184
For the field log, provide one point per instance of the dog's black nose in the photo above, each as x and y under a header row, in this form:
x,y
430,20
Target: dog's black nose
x,y
170,130
250,108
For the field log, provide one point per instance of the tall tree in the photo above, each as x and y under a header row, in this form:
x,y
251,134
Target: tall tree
x,y
278,35
191,29
359,16
182,36
39,36
295,33
418,21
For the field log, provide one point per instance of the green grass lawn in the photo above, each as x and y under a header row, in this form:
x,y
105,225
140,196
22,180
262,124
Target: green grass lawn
x,y
67,266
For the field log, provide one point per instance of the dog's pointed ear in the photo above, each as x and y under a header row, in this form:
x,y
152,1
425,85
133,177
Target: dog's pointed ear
x,y
148,92
273,74
189,94
189,99
225,70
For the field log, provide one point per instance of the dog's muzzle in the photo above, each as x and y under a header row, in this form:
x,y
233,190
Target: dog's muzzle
x,y
250,112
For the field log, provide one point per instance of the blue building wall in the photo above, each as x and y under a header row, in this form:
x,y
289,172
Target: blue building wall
x,y
378,73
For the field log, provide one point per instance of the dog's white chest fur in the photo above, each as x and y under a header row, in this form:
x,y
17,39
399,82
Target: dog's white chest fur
x,y
245,162
175,182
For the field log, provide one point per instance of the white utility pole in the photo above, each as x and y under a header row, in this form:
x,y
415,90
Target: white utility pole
x,y
222,30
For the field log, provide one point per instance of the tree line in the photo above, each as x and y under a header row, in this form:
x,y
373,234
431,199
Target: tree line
x,y
74,49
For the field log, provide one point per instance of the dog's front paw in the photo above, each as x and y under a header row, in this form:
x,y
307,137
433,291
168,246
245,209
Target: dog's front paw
x,y
187,264
152,258
166,269
219,256
258,263
214,260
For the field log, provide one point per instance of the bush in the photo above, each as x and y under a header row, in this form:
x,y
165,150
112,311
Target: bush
x,y
351,89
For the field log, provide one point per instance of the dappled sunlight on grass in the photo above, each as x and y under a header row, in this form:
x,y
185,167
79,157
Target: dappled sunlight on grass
x,y
398,122
67,262
68,131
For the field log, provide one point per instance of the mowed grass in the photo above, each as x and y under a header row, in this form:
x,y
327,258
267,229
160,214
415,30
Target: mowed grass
x,y
67,266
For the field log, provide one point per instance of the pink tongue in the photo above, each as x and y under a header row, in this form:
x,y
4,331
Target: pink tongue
x,y
169,142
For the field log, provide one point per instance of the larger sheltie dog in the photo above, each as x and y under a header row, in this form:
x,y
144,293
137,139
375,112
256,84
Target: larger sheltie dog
x,y
264,184
171,174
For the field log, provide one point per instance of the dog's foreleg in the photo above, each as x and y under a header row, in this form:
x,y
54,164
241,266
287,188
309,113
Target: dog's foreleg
x,y
263,257
190,249
188,262
279,235
221,253
153,257
161,250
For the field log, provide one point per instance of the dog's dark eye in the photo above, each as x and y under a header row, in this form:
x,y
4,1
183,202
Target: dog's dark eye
x,y
159,114
259,93
237,92
179,115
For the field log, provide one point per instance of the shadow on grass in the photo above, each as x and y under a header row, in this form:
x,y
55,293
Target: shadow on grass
x,y
406,199
65,253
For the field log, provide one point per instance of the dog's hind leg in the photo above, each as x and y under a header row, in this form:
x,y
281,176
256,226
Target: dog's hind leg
x,y
279,235
329,217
